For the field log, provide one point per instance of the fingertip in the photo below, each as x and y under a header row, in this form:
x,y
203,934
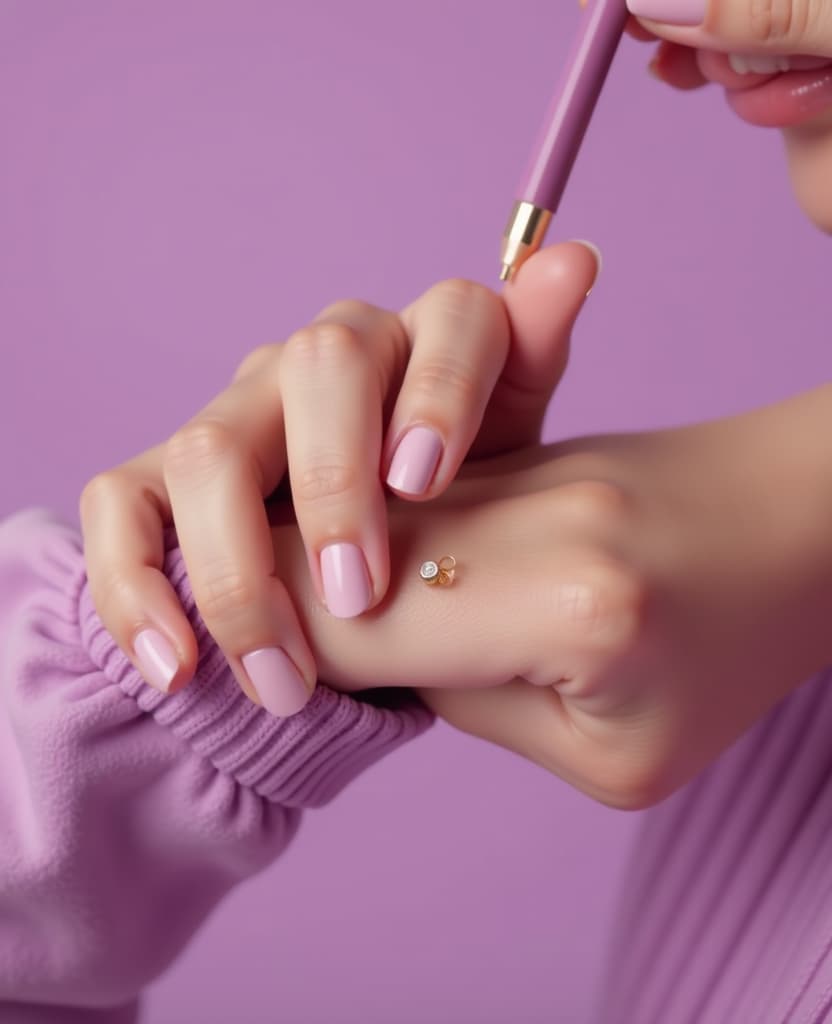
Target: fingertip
x,y
557,266
678,66
415,461
346,579
178,685
157,660
377,556
552,287
596,255
638,32
278,684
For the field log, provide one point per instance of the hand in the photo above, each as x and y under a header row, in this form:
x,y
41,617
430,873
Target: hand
x,y
359,396
684,587
745,46
645,598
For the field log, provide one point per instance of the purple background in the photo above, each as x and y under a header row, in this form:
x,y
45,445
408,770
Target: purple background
x,y
180,181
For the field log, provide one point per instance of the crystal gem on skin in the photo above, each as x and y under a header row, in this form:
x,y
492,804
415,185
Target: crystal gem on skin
x,y
429,570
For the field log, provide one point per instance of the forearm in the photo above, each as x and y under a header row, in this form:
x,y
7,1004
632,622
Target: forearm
x,y
790,468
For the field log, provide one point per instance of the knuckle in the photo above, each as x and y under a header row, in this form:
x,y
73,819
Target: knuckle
x,y
224,595
442,375
259,359
98,491
112,595
458,296
599,505
779,21
323,480
580,604
197,446
605,607
322,344
346,309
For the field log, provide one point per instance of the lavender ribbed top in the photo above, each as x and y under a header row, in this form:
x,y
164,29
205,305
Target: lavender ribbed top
x,y
726,916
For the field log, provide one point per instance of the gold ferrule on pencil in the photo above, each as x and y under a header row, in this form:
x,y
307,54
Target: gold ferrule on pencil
x,y
523,236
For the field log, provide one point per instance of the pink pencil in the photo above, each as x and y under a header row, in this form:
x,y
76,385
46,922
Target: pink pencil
x,y
563,131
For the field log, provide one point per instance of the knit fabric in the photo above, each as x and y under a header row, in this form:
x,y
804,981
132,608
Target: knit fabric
x,y
127,815
726,916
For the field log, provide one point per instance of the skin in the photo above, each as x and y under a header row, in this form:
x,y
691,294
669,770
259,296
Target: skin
x,y
654,616
355,377
685,59
665,589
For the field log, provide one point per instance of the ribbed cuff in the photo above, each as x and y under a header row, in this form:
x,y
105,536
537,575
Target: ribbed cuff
x,y
302,761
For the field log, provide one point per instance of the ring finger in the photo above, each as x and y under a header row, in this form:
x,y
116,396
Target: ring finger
x,y
217,470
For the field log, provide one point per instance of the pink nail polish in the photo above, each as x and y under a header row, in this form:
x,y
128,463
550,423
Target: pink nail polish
x,y
277,681
415,460
671,12
156,657
346,580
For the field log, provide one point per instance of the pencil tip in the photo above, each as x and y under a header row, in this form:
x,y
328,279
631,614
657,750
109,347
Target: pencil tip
x,y
505,272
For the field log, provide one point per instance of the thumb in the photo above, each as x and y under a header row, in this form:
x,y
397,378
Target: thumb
x,y
542,303
533,721
781,26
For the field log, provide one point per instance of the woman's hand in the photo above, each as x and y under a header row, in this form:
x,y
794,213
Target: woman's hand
x,y
683,586
359,397
644,598
774,60
755,40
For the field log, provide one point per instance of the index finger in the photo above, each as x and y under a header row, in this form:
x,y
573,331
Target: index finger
x,y
124,512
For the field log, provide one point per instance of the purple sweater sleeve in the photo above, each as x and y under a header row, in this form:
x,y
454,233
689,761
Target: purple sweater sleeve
x,y
726,914
126,816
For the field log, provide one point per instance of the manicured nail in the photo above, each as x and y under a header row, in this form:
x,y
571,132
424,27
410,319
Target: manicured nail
x,y
346,580
157,659
278,683
671,12
415,461
599,259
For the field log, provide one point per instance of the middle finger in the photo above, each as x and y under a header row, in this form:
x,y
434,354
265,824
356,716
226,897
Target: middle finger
x,y
335,377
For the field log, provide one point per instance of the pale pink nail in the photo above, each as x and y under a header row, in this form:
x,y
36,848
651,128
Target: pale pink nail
x,y
346,580
672,12
415,460
157,659
277,681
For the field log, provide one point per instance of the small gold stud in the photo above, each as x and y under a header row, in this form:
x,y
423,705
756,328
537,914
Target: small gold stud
x,y
439,573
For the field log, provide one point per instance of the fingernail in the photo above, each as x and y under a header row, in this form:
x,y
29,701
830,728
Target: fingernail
x,y
672,12
346,580
599,259
277,681
415,460
157,658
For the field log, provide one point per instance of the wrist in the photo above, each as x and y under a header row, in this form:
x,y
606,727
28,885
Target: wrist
x,y
790,444
815,436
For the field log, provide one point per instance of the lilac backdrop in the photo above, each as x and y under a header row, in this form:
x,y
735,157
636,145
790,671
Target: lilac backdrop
x,y
180,181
